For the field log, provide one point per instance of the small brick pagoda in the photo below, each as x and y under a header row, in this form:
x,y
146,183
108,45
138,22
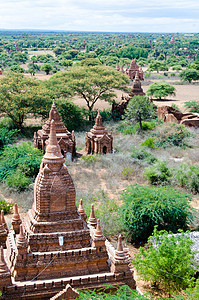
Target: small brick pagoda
x,y
54,246
136,87
133,69
98,140
66,140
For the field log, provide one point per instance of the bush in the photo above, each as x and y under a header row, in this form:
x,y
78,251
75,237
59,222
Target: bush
x,y
145,126
159,173
168,261
7,136
171,134
142,155
193,106
120,293
149,143
126,172
90,158
188,177
144,207
5,206
18,180
22,158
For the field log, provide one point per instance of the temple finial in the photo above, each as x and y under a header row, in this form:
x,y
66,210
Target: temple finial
x,y
3,265
82,211
92,219
21,239
119,253
98,231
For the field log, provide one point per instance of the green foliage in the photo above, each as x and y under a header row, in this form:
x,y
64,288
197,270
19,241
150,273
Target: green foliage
x,y
193,106
159,173
47,68
90,62
157,66
126,172
90,158
149,143
6,136
168,261
16,68
106,209
91,83
72,115
189,75
139,109
18,180
21,95
160,90
171,135
188,177
132,52
177,68
142,155
145,126
144,207
121,293
19,161
5,206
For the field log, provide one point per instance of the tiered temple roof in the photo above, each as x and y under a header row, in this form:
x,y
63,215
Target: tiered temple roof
x,y
65,139
54,245
98,140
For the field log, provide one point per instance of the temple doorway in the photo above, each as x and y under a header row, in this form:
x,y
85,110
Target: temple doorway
x,y
104,150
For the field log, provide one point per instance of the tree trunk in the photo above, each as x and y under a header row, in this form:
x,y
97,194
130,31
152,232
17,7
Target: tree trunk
x,y
140,122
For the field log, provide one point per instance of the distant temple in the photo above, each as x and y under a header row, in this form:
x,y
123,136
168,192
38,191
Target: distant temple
x,y
98,140
53,246
133,69
136,87
66,140
118,109
172,40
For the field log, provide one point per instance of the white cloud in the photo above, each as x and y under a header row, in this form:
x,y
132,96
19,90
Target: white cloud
x,y
101,15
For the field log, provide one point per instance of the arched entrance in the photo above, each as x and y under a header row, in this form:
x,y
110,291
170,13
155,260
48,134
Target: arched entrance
x,y
104,150
89,147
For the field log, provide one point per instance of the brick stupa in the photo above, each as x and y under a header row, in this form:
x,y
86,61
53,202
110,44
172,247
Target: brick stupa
x,y
98,140
136,87
54,245
66,140
133,69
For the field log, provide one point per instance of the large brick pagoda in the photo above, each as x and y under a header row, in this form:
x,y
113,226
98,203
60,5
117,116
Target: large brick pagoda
x,y
66,140
133,69
54,245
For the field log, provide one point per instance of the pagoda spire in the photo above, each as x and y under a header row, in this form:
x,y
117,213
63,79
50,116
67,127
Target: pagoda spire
x,y
16,220
119,253
98,231
92,219
4,221
82,211
53,151
3,265
21,239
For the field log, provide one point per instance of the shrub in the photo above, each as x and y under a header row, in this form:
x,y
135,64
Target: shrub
x,y
18,180
6,136
159,173
149,143
120,293
22,157
145,126
90,158
5,206
171,134
168,261
126,172
188,177
193,106
144,207
142,155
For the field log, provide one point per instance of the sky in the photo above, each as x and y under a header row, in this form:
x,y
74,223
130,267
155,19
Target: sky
x,y
101,15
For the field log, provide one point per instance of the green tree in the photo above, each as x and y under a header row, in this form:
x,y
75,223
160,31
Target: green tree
x,y
168,261
189,75
16,68
139,109
92,83
20,95
47,68
157,66
160,90
145,206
